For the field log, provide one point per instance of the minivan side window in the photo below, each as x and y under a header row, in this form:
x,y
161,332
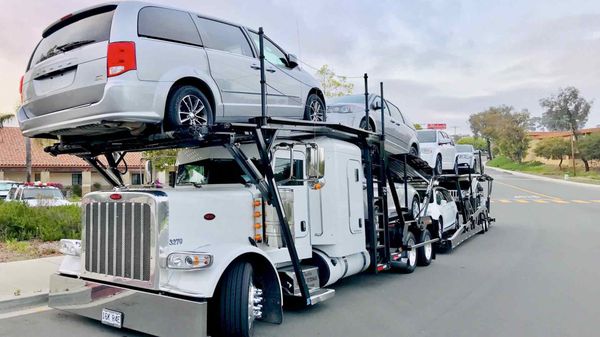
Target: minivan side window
x,y
396,112
168,24
223,36
272,53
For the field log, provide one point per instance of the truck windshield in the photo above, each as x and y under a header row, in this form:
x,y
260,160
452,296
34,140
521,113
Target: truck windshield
x,y
42,193
74,32
426,136
210,171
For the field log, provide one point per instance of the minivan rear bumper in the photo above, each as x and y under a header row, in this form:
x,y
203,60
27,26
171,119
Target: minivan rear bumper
x,y
123,102
143,311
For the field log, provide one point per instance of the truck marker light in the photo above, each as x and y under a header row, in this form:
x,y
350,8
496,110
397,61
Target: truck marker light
x,y
209,216
257,225
257,214
317,186
257,202
258,238
116,196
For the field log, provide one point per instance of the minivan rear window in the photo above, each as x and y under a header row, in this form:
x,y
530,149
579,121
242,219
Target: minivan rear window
x,y
168,24
73,32
426,136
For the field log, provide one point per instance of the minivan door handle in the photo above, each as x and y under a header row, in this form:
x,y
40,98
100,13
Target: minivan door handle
x,y
255,67
271,70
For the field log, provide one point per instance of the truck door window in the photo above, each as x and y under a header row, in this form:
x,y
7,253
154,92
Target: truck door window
x,y
282,172
210,171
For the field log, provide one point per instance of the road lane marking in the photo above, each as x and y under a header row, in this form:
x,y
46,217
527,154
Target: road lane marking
x,y
522,201
598,201
581,201
525,190
540,201
504,201
559,201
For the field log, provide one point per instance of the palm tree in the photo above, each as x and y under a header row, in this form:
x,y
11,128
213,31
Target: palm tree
x,y
4,118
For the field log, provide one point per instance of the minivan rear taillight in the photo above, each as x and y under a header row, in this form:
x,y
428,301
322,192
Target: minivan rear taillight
x,y
21,88
120,58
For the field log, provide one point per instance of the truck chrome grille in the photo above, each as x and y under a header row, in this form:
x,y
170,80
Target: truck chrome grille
x,y
117,239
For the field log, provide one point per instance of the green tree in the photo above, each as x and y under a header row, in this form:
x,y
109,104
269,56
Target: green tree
x,y
567,111
505,127
4,118
553,148
161,160
332,84
418,126
590,146
478,143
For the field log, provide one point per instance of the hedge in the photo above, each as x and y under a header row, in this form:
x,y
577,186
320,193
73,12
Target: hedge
x,y
21,222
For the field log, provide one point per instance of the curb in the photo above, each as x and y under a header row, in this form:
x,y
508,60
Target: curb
x,y
9,304
534,176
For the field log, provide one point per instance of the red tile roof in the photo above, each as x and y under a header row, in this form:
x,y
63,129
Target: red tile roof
x,y
12,154
550,134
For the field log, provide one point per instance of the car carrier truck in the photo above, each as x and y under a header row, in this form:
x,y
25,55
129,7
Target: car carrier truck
x,y
261,214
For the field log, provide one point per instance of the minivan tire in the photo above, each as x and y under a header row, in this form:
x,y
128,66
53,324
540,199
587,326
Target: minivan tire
x,y
187,106
314,110
437,170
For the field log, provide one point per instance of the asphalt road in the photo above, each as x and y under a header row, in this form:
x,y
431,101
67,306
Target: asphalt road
x,y
535,273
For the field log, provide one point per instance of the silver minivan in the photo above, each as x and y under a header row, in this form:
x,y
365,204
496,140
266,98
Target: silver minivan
x,y
136,67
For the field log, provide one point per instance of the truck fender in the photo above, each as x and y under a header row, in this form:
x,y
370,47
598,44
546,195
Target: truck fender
x,y
267,276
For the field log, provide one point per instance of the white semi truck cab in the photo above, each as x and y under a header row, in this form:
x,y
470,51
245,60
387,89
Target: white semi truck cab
x,y
215,243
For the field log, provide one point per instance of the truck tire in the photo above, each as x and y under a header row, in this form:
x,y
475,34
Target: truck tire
x,y
237,299
187,106
411,261
425,253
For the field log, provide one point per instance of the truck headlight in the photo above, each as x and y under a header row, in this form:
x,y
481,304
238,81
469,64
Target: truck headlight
x,y
188,260
70,247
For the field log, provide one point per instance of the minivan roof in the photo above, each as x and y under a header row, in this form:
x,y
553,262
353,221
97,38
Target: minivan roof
x,y
56,24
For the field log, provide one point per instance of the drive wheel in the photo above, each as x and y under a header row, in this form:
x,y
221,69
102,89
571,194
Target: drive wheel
x,y
415,207
411,255
187,106
437,170
239,302
314,110
425,253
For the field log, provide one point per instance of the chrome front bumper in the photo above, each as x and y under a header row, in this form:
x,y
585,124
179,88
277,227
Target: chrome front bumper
x,y
146,312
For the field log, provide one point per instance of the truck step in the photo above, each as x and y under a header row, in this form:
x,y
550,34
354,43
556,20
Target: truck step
x,y
320,295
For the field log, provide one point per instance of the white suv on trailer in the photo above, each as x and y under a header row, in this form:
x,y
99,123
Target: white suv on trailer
x,y
437,149
122,67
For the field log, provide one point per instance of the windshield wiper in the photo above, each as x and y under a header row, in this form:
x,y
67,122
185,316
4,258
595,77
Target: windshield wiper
x,y
72,45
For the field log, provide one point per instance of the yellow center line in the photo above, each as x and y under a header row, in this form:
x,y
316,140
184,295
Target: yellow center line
x,y
581,201
598,201
540,201
525,190
504,201
521,201
558,201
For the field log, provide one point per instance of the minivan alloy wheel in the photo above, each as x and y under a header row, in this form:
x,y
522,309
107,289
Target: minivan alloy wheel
x,y
316,111
191,111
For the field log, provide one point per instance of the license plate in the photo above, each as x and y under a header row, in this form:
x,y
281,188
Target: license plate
x,y
112,318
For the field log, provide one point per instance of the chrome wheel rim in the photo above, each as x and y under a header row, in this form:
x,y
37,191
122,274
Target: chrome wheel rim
x,y
412,254
254,304
191,111
428,249
316,111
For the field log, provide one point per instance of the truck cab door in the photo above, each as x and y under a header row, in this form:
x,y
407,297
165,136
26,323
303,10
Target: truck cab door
x,y
355,196
297,184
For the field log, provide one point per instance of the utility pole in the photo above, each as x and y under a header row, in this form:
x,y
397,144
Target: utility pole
x,y
573,153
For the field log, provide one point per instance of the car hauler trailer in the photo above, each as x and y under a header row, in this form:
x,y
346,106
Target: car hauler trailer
x,y
267,212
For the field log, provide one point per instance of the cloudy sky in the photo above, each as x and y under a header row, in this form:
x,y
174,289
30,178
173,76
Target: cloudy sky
x,y
439,60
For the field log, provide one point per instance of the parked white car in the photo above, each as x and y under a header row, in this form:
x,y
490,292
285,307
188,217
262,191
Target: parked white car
x,y
35,195
466,156
414,200
400,132
125,66
5,186
437,149
442,208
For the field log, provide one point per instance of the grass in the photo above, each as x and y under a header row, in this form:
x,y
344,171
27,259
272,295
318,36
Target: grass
x,y
19,247
536,167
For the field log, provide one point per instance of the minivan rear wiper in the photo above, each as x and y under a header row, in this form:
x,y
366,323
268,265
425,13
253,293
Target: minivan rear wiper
x,y
72,45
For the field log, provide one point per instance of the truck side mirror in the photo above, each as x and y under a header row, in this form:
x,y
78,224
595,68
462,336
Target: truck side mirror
x,y
315,161
147,173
